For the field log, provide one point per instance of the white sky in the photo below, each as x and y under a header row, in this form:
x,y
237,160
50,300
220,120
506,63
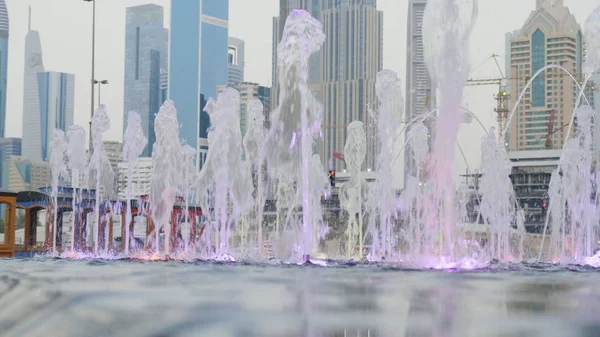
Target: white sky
x,y
65,30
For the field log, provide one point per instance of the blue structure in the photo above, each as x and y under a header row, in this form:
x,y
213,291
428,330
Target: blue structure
x,y
3,64
56,96
198,63
146,62
538,61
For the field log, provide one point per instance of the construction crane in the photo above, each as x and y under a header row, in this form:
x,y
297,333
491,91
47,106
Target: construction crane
x,y
551,131
502,97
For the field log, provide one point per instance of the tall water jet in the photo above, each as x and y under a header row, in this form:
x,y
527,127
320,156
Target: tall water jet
x,y
100,124
574,186
412,200
134,142
355,151
77,162
189,179
56,157
253,141
224,174
298,115
573,190
498,201
166,158
447,27
383,202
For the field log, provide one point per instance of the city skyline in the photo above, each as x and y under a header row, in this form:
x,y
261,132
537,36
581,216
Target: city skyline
x,y
257,64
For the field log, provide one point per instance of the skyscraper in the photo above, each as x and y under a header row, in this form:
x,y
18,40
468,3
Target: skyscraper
x,y
551,35
342,75
198,63
352,56
420,91
32,139
235,61
146,62
56,102
3,64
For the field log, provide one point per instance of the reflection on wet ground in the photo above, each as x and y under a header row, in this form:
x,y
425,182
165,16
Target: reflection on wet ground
x,y
48,297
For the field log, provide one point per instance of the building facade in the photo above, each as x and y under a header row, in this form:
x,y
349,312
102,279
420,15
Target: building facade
x,y
57,105
8,147
146,63
198,64
248,91
3,64
551,35
235,61
31,135
141,178
420,90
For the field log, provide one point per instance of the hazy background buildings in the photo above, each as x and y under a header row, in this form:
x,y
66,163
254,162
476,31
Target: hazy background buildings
x,y
66,32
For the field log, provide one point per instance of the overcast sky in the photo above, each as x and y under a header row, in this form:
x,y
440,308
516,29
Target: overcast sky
x,y
65,30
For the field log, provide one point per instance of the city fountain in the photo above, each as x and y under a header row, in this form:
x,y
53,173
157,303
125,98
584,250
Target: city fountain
x,y
426,225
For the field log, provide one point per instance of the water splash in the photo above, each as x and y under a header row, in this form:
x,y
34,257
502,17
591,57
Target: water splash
x,y
134,142
166,177
56,158
298,116
99,164
77,162
225,176
254,140
350,194
573,189
383,202
447,27
498,204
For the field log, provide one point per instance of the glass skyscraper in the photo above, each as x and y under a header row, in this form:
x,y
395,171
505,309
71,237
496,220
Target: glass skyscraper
x,y
146,62
3,64
198,63
31,100
56,97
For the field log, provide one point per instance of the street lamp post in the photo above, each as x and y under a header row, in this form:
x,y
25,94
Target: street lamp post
x,y
100,83
93,65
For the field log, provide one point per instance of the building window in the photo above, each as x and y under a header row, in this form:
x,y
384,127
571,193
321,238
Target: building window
x,y
137,53
538,56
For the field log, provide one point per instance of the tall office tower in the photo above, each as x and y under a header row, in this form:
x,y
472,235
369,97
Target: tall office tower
x,y
420,90
235,61
3,64
198,63
32,139
551,35
146,62
351,58
57,106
